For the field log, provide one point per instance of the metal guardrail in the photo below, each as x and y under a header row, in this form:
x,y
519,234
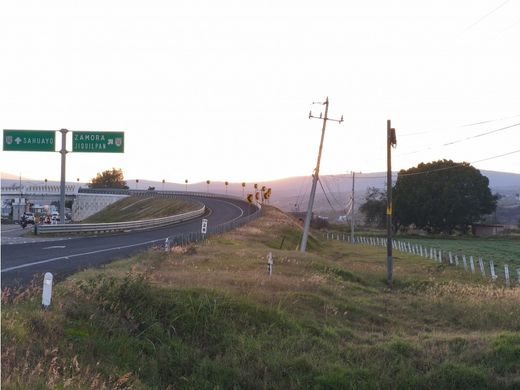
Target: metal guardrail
x,y
189,237
118,226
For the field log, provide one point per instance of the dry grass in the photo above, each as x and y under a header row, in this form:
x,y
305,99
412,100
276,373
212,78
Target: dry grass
x,y
323,318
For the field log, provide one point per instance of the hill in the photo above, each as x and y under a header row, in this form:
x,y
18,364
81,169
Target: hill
x,y
209,316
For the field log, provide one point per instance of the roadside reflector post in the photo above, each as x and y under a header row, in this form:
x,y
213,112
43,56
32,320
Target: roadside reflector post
x,y
270,264
204,228
47,290
506,275
167,244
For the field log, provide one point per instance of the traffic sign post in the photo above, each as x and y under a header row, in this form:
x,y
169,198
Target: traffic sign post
x,y
82,141
29,140
98,141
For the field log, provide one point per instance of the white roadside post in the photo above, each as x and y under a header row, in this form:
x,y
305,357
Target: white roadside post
x,y
47,290
465,262
204,227
472,264
481,265
450,257
167,244
518,274
270,264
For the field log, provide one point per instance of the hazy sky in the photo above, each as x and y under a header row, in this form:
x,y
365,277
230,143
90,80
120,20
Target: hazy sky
x,y
221,90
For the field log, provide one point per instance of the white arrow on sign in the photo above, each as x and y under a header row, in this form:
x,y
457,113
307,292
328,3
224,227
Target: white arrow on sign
x,y
18,140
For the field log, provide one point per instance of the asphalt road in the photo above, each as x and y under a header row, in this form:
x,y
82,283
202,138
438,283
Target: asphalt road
x,y
21,262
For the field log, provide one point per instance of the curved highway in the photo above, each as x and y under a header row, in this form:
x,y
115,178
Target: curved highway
x,y
22,262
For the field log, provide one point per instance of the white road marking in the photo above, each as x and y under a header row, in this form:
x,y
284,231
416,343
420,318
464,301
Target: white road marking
x,y
77,255
55,247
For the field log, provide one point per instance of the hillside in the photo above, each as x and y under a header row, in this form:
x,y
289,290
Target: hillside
x,y
134,208
209,316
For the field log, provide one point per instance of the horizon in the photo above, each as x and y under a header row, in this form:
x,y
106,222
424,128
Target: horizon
x,y
359,175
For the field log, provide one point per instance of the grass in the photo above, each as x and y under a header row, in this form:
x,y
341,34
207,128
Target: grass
x,y
209,316
500,249
138,208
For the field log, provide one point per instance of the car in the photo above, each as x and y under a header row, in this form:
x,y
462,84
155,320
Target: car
x,y
55,216
29,217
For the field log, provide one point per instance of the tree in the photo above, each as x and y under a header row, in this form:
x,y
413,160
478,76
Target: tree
x,y
442,196
374,208
109,179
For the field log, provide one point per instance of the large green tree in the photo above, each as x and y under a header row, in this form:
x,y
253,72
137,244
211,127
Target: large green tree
x,y
111,178
442,196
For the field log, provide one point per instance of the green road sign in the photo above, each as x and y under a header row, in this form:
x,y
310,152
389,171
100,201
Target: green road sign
x,y
98,141
29,140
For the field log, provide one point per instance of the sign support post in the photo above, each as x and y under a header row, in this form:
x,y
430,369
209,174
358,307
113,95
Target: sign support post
x,y
63,153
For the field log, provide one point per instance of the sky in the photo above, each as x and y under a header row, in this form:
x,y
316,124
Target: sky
x,y
207,90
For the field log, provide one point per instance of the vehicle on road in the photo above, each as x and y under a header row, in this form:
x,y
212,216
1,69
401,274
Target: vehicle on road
x,y
55,217
29,218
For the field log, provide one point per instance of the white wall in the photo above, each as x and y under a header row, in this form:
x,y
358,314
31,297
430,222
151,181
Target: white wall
x,y
87,204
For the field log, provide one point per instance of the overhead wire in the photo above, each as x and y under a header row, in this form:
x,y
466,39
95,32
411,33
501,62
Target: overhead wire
x,y
326,197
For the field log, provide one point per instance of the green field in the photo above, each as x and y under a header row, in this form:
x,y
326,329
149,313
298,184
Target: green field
x,y
500,250
208,316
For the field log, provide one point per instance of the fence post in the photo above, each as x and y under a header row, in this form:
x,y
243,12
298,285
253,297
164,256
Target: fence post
x,y
440,256
464,262
492,269
450,257
481,264
472,264
456,260
506,275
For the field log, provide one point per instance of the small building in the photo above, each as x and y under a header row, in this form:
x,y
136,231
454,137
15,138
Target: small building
x,y
480,229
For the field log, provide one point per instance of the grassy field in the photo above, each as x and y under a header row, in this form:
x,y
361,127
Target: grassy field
x,y
209,316
135,208
500,249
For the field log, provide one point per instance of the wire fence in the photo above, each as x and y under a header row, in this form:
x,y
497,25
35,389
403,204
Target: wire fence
x,y
474,265
195,236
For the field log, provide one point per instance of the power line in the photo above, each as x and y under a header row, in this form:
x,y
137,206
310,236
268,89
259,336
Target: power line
x,y
326,197
459,164
421,132
486,15
481,134
462,139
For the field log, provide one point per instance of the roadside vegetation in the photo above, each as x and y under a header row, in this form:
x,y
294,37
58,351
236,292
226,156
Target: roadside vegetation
x,y
134,208
209,316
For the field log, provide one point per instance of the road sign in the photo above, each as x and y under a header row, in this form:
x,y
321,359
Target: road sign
x,y
29,140
98,141
204,228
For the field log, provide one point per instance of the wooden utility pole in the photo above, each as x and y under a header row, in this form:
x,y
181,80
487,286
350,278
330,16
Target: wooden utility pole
x,y
352,210
390,142
315,176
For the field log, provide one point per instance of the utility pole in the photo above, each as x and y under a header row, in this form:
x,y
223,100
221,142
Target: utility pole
x,y
352,209
315,175
391,141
